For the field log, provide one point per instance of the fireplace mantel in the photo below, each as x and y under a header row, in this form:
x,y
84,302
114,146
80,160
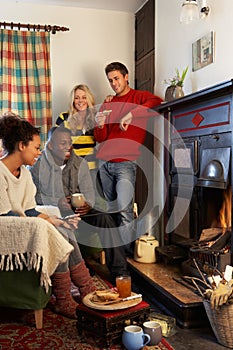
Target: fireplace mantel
x,y
203,95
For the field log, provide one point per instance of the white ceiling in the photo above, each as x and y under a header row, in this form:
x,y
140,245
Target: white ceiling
x,y
114,5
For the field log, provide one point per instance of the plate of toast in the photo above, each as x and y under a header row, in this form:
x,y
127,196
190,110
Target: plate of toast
x,y
109,299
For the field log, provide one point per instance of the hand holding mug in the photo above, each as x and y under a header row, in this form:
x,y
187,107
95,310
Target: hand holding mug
x,y
83,210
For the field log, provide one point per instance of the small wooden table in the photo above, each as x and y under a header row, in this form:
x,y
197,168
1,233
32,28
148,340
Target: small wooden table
x,y
110,324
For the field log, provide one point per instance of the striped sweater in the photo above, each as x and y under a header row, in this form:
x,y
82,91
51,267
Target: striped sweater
x,y
83,144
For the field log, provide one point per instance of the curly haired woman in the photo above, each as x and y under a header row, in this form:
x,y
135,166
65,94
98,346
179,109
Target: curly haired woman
x,y
21,145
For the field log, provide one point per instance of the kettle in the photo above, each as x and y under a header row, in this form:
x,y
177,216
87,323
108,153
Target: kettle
x,y
144,249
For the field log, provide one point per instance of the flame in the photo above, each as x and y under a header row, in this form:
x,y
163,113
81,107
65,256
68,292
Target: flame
x,y
225,211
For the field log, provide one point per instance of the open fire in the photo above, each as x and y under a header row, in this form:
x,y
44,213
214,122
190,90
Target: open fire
x,y
225,211
221,224
213,247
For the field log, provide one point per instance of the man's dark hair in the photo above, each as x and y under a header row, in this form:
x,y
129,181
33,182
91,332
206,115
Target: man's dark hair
x,y
116,66
57,129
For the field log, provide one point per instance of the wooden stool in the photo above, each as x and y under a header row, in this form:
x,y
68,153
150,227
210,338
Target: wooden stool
x,y
110,324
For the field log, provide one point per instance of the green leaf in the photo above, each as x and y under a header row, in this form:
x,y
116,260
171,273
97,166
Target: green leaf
x,y
184,74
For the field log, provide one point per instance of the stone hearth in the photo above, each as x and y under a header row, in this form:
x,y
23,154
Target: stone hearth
x,y
161,285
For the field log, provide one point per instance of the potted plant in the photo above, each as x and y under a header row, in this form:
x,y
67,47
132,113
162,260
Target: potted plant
x,y
176,84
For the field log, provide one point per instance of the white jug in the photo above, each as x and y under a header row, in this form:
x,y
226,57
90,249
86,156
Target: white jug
x,y
144,250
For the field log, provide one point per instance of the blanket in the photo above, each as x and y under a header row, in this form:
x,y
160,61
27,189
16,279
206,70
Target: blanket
x,y
34,243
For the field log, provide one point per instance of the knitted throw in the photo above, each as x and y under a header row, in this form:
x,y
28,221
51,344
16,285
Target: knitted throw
x,y
32,243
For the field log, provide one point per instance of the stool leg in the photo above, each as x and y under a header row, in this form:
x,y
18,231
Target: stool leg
x,y
39,318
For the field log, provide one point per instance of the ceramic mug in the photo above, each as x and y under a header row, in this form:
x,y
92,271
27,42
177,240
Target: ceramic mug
x,y
133,338
77,200
154,330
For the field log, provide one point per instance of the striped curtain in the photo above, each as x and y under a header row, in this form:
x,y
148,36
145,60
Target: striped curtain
x,y
26,77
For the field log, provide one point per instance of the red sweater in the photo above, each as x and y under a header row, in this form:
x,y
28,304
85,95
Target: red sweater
x,y
117,145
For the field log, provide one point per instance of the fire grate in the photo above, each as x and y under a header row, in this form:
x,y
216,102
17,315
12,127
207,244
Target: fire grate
x,y
206,258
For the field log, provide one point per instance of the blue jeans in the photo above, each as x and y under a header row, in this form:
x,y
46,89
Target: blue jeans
x,y
118,182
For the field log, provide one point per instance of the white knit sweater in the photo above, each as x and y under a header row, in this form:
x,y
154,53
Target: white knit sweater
x,y
27,241
16,194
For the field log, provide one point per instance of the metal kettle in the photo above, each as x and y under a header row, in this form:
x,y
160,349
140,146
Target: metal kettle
x,y
144,250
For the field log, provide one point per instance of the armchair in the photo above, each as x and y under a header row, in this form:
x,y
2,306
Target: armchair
x,y
30,251
22,290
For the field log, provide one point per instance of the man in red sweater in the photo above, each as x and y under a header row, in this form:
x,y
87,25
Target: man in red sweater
x,y
120,131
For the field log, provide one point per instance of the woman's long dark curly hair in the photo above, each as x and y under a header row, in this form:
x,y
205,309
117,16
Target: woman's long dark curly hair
x,y
14,129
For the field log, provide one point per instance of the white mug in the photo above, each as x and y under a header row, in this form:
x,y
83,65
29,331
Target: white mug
x,y
133,338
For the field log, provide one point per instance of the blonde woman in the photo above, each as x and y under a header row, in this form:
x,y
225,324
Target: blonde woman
x,y
80,119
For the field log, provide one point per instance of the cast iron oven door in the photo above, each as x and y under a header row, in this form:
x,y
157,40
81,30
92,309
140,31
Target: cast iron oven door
x,y
214,168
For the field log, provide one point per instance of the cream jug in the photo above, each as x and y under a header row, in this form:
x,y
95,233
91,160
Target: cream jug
x,y
144,250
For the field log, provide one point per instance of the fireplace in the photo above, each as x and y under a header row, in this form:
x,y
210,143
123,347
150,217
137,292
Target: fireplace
x,y
199,179
199,164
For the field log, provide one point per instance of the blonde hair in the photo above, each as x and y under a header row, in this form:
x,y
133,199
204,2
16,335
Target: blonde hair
x,y
90,116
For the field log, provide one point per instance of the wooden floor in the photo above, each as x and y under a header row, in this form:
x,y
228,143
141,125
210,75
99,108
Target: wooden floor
x,y
159,284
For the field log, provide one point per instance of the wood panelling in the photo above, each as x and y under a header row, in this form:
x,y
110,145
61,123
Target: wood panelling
x,y
144,80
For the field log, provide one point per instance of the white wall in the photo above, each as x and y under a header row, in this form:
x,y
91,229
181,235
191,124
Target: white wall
x,y
174,44
96,37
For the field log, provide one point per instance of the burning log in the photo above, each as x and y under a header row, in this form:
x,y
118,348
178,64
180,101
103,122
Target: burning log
x,y
210,234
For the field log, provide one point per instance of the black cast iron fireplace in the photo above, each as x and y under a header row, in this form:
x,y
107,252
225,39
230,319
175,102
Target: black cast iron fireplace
x,y
203,183
200,171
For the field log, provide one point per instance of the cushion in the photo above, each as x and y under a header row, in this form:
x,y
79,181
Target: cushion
x,y
22,290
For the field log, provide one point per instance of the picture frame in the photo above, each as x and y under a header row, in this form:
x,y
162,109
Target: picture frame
x,y
203,51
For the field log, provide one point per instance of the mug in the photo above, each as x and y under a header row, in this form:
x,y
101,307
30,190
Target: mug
x,y
133,338
77,200
154,330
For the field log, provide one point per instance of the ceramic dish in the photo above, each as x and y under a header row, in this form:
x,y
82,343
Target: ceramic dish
x,y
116,306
